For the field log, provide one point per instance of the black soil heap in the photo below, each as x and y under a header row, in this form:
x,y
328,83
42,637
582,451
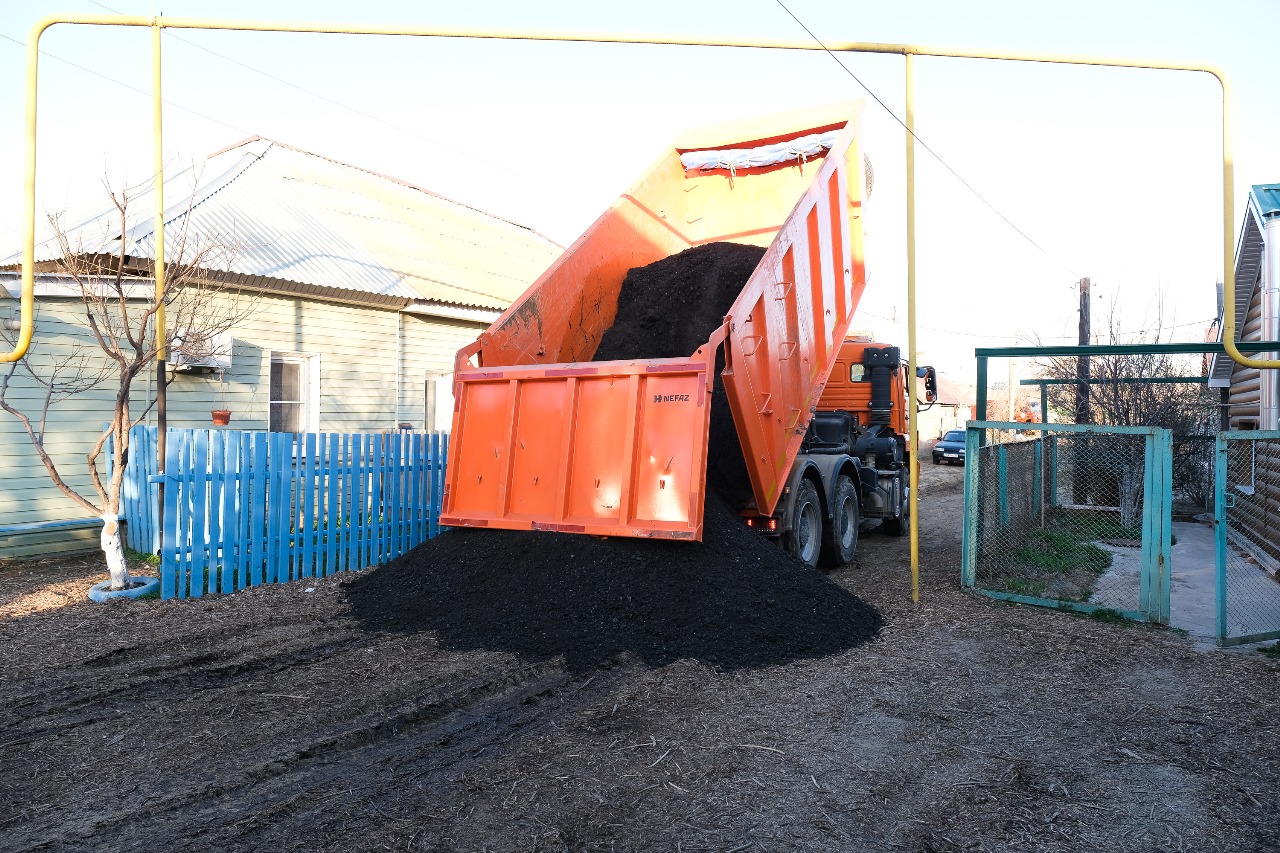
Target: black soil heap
x,y
734,600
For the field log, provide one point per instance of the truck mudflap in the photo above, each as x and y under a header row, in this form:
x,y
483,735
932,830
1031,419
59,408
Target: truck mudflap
x,y
606,448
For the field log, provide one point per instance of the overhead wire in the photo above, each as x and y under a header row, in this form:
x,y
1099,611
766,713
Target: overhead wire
x,y
488,162
923,144
128,86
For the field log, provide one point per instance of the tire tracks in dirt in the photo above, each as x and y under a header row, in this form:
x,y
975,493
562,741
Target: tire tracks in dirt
x,y
420,737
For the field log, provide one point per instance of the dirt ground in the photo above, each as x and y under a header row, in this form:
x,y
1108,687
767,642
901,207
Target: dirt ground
x,y
274,719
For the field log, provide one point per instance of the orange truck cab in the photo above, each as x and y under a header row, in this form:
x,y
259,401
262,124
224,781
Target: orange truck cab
x,y
854,463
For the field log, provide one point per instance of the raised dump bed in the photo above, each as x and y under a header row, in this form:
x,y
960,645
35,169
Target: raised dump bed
x,y
545,438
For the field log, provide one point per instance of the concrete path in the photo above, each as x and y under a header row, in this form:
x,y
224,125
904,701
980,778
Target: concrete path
x,y
1192,594
1253,596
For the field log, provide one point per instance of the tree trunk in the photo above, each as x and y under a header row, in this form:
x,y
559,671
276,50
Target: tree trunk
x,y
113,550
1130,496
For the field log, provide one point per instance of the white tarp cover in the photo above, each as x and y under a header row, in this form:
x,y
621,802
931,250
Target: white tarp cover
x,y
801,148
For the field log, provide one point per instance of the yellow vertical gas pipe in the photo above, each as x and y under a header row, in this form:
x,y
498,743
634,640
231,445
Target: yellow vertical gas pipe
x,y
162,395
913,425
28,204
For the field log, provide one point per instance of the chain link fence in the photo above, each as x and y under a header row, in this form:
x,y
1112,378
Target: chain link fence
x,y
1248,515
1073,517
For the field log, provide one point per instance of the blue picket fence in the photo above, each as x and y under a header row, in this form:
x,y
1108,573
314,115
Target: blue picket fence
x,y
247,508
139,508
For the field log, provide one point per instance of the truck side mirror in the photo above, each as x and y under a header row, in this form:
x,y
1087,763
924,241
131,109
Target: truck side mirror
x,y
930,377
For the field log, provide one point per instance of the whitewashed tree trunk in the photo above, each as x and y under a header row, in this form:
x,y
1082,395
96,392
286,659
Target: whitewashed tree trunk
x,y
113,550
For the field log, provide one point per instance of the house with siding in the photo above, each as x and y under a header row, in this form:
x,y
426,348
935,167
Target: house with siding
x,y
353,292
1250,398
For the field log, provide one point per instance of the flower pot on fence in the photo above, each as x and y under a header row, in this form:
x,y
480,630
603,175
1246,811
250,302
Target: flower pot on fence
x,y
221,417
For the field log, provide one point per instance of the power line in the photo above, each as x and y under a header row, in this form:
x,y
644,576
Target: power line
x,y
922,143
354,110
128,86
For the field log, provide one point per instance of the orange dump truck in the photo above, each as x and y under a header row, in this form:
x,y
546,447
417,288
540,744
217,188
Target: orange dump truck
x,y
544,438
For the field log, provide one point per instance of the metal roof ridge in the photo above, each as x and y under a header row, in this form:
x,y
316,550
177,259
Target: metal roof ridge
x,y
199,195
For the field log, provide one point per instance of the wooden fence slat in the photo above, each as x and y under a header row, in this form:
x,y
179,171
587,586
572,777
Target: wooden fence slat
x,y
217,464
391,498
371,463
332,493
168,553
433,449
355,516
228,546
258,503
357,535
185,510
307,522
348,500
199,488
150,491
374,462
391,503
407,480
415,495
386,493
245,502
275,505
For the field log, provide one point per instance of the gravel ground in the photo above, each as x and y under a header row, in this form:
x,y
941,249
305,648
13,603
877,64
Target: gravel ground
x,y
286,719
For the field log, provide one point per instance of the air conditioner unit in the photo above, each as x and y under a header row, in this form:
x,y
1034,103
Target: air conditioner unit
x,y
200,353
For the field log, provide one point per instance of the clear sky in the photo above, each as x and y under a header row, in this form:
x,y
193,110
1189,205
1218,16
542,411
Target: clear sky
x,y
1111,174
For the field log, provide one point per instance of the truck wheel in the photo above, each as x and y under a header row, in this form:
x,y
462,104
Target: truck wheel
x,y
840,538
804,542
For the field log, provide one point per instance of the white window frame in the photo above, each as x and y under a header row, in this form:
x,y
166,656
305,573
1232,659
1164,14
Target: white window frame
x,y
310,401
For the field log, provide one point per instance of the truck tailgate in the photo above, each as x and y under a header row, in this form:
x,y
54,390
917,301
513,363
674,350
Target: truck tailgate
x,y
609,448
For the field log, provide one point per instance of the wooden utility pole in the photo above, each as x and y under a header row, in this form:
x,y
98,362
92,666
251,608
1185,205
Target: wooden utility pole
x,y
1084,413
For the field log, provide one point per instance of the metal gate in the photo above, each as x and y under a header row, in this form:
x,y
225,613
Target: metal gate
x,y
1247,522
1070,516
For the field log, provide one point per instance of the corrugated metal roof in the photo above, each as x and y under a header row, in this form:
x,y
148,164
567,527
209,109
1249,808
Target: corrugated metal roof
x,y
1264,203
1267,198
302,219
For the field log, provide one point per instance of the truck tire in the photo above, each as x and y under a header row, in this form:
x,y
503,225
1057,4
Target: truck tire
x,y
804,542
840,537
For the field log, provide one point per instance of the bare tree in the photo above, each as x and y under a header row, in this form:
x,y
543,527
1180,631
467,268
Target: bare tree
x,y
119,305
1116,399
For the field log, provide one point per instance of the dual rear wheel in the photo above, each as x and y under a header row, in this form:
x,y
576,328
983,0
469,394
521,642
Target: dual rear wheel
x,y
813,542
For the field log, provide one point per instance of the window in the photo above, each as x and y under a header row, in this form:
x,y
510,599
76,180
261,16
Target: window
x,y
429,409
857,373
437,401
294,390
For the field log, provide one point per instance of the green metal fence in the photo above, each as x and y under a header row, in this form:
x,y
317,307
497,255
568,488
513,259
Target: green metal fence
x,y
1076,517
1247,516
